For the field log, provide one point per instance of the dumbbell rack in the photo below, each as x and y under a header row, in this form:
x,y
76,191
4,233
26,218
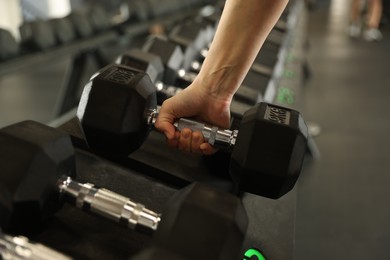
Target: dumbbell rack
x,y
152,174
153,187
292,70
81,236
83,50
272,222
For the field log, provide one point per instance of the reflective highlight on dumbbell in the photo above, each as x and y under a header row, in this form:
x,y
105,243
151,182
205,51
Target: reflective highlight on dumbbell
x,y
109,204
20,247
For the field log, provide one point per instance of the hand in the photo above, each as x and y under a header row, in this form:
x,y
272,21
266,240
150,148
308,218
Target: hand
x,y
193,102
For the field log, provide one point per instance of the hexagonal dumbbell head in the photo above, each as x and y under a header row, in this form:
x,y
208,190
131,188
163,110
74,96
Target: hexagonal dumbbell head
x,y
199,222
192,37
171,55
31,166
268,155
113,106
37,35
149,63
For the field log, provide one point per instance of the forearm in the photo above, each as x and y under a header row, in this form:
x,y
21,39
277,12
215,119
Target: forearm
x,y
242,30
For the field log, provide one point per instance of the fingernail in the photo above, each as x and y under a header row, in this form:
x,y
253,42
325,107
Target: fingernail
x,y
195,138
186,133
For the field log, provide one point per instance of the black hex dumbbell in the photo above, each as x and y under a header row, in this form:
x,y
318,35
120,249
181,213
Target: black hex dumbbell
x,y
9,47
152,65
173,59
118,108
88,21
188,42
143,10
220,237
192,37
38,172
63,30
37,35
38,164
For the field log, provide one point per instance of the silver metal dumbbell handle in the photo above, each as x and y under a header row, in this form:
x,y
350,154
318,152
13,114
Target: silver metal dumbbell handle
x,y
109,205
19,247
223,139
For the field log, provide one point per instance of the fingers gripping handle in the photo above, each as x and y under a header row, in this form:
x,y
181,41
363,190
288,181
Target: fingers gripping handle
x,y
219,138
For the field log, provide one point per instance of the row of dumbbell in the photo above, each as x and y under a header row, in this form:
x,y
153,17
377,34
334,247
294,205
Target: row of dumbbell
x,y
113,78
172,61
118,107
224,138
40,160
109,134
41,35
142,10
38,176
277,114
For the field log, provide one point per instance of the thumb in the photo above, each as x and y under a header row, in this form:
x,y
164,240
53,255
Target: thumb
x,y
164,124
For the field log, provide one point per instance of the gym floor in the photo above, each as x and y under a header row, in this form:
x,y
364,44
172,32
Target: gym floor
x,y
341,208
342,211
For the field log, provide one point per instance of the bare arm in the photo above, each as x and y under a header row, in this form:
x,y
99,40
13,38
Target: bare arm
x,y
242,30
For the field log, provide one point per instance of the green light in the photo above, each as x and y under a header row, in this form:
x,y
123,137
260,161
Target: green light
x,y
289,74
290,57
285,96
253,252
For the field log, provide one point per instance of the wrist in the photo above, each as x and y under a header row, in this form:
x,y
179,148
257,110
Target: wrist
x,y
218,85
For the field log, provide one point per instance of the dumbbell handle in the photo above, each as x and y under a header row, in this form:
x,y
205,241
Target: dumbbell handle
x,y
109,205
20,247
223,139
